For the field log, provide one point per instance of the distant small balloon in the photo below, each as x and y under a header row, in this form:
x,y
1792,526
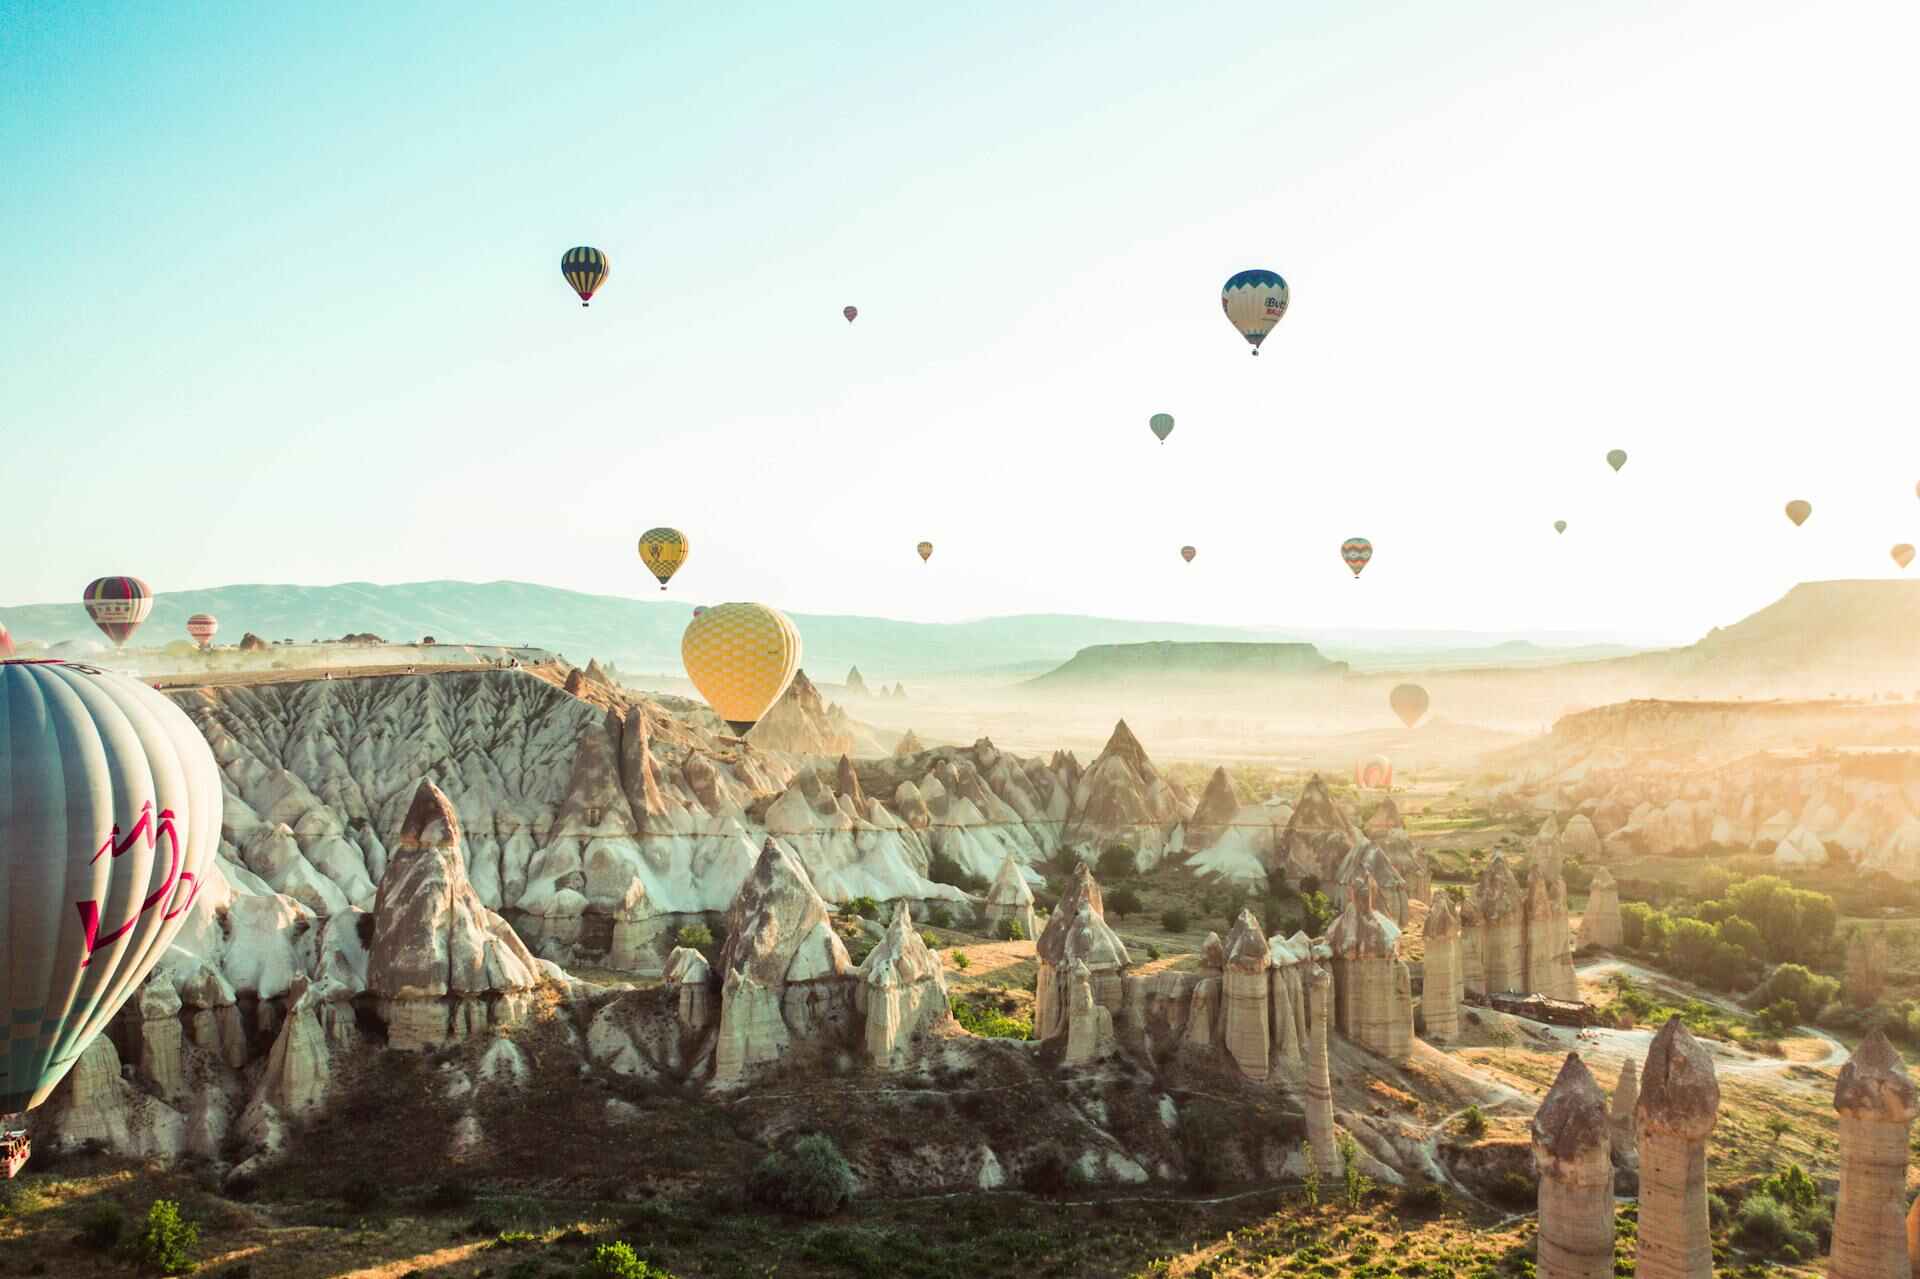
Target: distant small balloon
x,y
1161,424
663,551
1356,551
203,627
850,312
585,269
1409,702
1559,526
1187,553
926,551
6,642
1797,511
1374,773
1616,458
1902,555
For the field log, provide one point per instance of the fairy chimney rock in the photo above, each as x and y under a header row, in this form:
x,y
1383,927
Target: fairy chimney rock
x,y
1875,1099
1572,1154
1679,1104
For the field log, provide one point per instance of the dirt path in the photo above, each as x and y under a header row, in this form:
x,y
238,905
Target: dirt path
x,y
1733,1060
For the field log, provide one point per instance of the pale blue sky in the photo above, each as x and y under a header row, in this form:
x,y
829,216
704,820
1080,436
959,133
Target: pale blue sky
x,y
280,301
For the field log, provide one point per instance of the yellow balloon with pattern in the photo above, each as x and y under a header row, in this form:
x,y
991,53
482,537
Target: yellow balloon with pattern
x,y
663,551
741,657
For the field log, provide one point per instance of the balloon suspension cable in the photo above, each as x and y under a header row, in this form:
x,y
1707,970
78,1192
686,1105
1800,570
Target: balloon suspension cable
x,y
583,304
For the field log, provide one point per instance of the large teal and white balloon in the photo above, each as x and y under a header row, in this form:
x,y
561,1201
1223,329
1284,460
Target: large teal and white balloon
x,y
110,810
1254,302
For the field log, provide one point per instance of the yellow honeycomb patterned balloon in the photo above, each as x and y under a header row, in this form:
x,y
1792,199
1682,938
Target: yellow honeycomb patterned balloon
x,y
741,657
663,551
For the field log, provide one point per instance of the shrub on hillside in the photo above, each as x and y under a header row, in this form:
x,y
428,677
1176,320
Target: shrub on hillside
x,y
101,1227
809,1179
1116,863
945,870
1123,902
1807,991
864,907
163,1245
1174,920
1010,930
694,936
960,959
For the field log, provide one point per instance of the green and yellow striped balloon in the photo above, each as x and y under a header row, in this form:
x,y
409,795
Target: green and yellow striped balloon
x,y
585,268
663,551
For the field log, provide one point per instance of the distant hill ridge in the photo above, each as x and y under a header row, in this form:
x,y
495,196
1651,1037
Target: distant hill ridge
x,y
1191,660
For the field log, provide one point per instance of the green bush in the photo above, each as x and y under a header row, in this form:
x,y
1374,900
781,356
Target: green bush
x,y
1174,920
1153,953
1116,863
990,1023
1806,990
101,1227
960,960
1473,1123
1123,902
451,1195
940,917
1765,1226
1010,930
929,941
864,907
810,1179
618,1260
945,870
361,1194
162,1246
694,936
1319,912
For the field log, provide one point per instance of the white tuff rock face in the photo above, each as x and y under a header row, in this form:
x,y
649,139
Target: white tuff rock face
x,y
443,966
1373,1000
1123,797
1010,900
902,992
1600,924
1571,1152
1247,996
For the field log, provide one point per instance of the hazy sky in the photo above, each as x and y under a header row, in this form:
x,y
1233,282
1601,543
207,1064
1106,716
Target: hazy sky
x,y
280,301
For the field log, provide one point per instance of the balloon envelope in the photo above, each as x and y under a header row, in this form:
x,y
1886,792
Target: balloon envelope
x,y
1559,526
1254,302
1797,511
203,627
1374,773
118,605
741,657
1902,555
1616,458
1187,553
585,268
1356,551
1409,702
1161,424
111,803
6,642
663,551
850,312
926,551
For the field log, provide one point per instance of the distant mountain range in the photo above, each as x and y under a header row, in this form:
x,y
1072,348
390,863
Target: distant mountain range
x,y
1869,626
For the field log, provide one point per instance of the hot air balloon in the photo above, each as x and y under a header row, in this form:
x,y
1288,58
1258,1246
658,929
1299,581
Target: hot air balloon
x,y
1559,526
6,642
1797,511
698,611
1187,553
850,312
1254,302
1161,424
586,270
111,803
1409,702
1902,555
926,551
741,657
663,551
203,627
118,605
1356,551
1374,773
1616,458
